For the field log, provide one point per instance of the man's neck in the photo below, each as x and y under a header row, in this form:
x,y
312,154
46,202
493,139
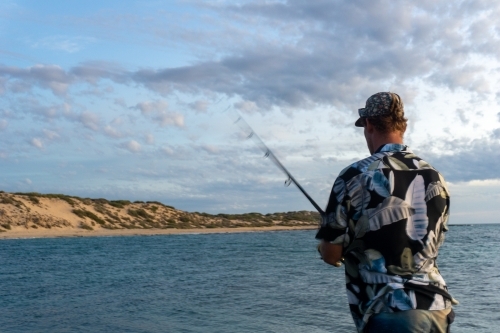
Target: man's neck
x,y
380,140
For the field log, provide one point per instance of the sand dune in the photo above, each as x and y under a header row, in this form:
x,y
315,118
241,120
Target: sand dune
x,y
25,215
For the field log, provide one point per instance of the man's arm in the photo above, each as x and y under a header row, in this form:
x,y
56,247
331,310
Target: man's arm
x,y
330,253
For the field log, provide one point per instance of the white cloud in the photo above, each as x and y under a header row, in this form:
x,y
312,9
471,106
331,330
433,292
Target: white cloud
x,y
246,106
158,112
132,146
149,107
168,151
50,135
68,44
211,149
112,132
36,142
169,118
89,120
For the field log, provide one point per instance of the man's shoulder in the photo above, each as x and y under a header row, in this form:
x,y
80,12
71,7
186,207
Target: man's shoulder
x,y
395,157
370,162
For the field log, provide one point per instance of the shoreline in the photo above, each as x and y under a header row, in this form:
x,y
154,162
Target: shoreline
x,y
72,233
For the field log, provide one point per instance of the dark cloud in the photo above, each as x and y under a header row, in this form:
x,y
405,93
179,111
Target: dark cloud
x,y
464,160
334,52
49,77
307,53
320,52
94,71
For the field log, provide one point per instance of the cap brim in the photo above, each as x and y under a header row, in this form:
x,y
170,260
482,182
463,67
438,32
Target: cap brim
x,y
359,122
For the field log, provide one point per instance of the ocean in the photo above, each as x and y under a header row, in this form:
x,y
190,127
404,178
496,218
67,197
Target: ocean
x,y
232,282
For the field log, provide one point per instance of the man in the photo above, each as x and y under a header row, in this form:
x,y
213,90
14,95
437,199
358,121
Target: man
x,y
385,220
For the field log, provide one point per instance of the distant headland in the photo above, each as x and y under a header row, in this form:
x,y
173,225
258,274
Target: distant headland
x,y
26,215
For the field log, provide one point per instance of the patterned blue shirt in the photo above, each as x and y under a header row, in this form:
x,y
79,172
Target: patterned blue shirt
x,y
390,213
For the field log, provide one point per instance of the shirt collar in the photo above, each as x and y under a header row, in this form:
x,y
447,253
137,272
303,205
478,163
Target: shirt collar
x,y
393,147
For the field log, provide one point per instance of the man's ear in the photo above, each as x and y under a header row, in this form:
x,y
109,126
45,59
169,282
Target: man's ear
x,y
369,126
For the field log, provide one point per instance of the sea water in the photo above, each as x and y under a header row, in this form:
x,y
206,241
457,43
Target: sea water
x,y
214,283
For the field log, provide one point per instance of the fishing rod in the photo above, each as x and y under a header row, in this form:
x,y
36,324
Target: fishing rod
x,y
269,154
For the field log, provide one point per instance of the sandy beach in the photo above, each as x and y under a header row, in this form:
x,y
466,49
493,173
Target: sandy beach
x,y
69,232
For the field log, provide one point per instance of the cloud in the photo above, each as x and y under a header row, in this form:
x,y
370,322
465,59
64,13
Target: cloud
x,y
158,112
51,77
293,62
3,124
132,146
200,106
466,160
112,132
211,149
150,107
36,142
308,53
93,71
149,139
246,106
89,120
168,151
69,44
50,135
461,116
120,102
169,118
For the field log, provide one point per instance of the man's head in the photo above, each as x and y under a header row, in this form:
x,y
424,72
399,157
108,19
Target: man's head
x,y
383,119
385,110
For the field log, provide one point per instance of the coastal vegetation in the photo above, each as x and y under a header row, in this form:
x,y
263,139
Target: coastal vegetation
x,y
36,210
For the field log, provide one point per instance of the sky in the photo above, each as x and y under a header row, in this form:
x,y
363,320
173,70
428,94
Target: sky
x,y
136,99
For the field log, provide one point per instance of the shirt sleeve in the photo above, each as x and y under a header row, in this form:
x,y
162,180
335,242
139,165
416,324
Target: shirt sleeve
x,y
334,225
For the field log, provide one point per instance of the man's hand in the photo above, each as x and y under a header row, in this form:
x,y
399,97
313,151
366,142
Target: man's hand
x,y
331,253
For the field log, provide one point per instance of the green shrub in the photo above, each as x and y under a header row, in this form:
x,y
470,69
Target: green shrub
x,y
119,203
139,213
185,219
113,216
85,213
34,200
154,202
100,201
86,226
7,200
66,198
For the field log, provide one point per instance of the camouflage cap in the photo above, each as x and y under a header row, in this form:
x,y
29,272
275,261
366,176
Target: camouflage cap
x,y
377,105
